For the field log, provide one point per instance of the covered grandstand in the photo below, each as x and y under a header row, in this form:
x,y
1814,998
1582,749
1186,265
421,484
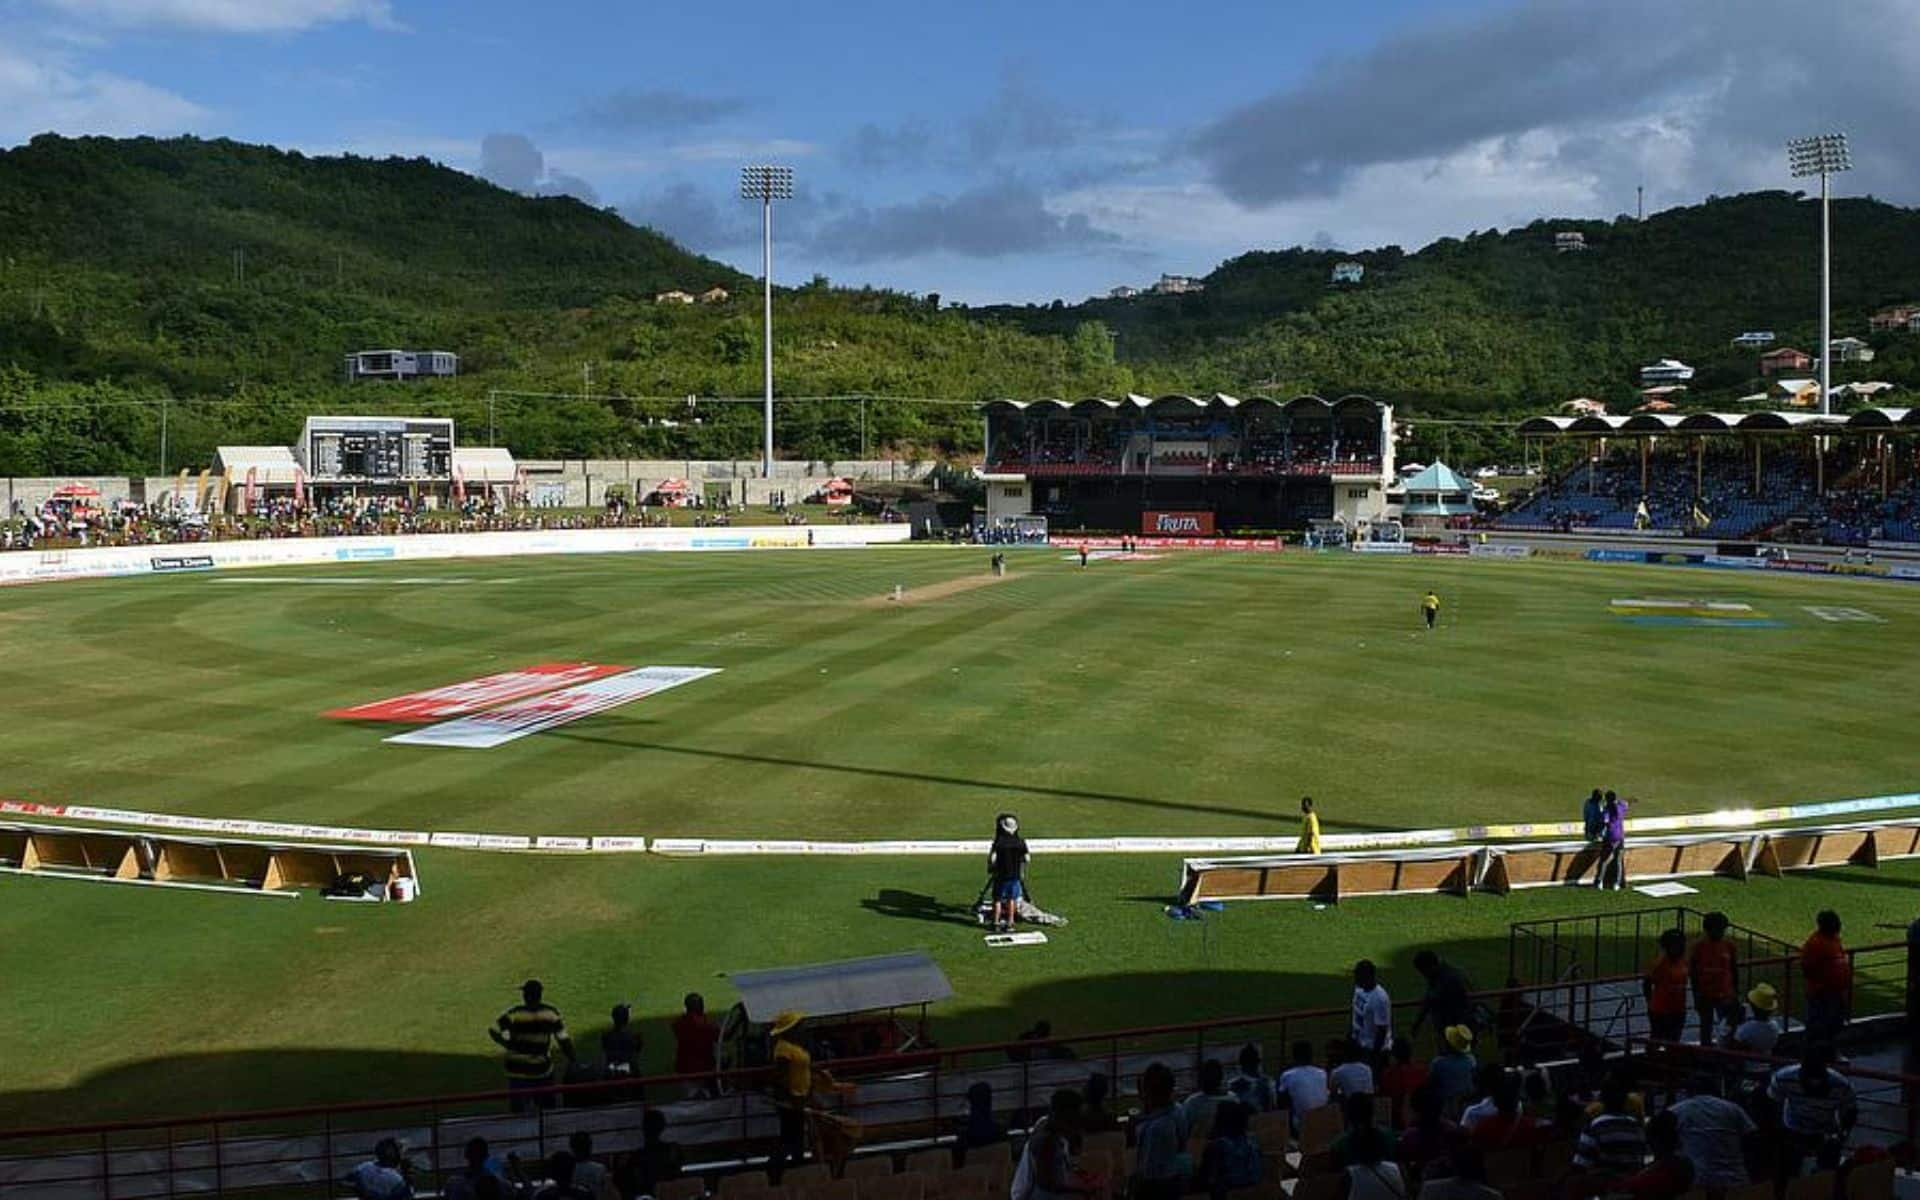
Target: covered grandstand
x,y
1252,463
1844,480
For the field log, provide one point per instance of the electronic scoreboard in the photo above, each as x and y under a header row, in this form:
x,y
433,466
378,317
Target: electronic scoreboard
x,y
376,449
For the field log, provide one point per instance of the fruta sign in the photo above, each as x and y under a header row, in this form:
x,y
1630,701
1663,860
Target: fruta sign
x,y
1177,524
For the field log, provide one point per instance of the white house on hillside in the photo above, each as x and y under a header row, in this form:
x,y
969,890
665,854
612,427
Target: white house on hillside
x,y
1756,337
1348,272
1667,370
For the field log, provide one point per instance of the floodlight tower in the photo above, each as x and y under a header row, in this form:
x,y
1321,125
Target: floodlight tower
x,y
767,184
1824,155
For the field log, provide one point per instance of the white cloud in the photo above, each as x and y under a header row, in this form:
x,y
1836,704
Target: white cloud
x,y
45,93
228,16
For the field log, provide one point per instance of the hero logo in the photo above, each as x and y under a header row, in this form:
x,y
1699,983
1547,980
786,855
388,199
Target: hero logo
x,y
1177,524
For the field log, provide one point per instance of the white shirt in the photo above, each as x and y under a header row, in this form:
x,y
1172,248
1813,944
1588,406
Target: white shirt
x,y
1477,1112
1306,1089
1757,1036
1372,1012
1351,1079
375,1182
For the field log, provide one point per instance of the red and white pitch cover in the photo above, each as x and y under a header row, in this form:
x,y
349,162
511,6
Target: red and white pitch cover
x,y
496,727
457,699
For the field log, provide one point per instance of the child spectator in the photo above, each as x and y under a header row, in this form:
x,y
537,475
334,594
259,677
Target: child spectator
x,y
1231,1159
1303,1086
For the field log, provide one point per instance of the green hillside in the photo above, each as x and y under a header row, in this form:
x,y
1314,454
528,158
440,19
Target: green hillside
x,y
217,285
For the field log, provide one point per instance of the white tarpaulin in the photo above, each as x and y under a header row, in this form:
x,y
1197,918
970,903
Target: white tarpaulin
x,y
497,727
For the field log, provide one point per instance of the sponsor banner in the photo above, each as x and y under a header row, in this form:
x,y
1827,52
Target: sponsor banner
x,y
1853,568
1177,543
1177,524
458,699
562,843
1903,571
31,809
1614,532
1798,568
1617,556
1380,547
1438,548
619,845
183,562
1735,562
497,727
1499,550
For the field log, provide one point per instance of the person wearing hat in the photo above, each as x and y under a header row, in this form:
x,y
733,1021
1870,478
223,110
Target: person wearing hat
x,y
1759,1033
792,1090
1451,1074
528,1032
1006,871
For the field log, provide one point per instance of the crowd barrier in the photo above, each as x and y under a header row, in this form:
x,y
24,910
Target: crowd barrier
x,y
168,861
1499,869
33,566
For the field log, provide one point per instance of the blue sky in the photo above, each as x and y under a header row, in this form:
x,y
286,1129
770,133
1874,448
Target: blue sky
x,y
1012,151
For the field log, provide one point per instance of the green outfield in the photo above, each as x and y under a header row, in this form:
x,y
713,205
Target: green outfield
x,y
1193,694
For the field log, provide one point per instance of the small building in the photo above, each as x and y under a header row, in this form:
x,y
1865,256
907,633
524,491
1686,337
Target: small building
x,y
1901,318
1866,390
1585,406
401,364
1123,292
1436,494
1851,350
714,295
1348,272
1569,241
252,475
1667,370
1179,285
1660,399
1755,338
1786,358
674,297
1795,393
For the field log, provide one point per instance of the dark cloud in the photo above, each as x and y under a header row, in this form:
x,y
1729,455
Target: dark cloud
x,y
662,110
1705,90
876,146
695,217
1021,120
995,221
512,161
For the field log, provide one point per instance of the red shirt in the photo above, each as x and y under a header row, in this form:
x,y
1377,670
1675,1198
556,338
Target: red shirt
x,y
1824,965
1499,1132
1669,979
696,1040
1711,963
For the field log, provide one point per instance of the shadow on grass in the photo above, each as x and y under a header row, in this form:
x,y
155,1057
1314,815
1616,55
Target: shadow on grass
x,y
913,906
1282,817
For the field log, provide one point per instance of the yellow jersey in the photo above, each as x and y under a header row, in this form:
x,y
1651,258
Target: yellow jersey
x,y
1430,602
792,1070
1309,834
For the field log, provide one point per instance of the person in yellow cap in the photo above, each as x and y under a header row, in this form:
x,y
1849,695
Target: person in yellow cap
x,y
1451,1073
792,1090
1760,1032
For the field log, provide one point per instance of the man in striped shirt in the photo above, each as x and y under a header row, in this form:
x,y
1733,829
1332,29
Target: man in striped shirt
x,y
528,1031
1817,1107
1614,1144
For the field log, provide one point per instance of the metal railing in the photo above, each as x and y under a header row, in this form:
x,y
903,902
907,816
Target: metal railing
x,y
917,1096
1616,943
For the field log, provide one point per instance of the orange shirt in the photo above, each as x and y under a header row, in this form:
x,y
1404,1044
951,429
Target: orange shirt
x,y
1711,964
1824,965
1669,979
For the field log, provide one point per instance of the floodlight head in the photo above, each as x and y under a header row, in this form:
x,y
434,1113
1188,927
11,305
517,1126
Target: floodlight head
x,y
1821,154
766,183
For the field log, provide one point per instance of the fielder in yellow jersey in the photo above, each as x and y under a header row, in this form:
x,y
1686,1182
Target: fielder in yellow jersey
x,y
1430,607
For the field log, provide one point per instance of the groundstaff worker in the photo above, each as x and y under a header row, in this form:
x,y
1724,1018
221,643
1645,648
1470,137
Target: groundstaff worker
x,y
1006,871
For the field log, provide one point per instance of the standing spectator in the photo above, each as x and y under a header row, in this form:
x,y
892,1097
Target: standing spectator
x,y
1451,1074
1817,1109
1161,1162
1665,988
528,1032
696,1047
1351,1076
1365,1152
1372,1026
1759,1033
382,1177
589,1174
620,1045
1448,1000
1007,868
560,1184
1303,1086
1046,1169
1593,819
1231,1159
1828,975
1670,1175
1400,1077
1252,1087
1611,868
1715,974
1309,842
1614,1144
1198,1108
1713,1135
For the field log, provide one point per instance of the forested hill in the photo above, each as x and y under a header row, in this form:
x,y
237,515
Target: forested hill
x,y
1500,321
217,286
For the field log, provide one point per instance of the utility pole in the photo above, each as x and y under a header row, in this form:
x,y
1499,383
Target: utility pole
x,y
164,398
767,184
492,394
1640,203
1824,155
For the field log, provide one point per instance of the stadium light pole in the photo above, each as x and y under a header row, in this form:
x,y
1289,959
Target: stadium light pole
x,y
1825,155
767,184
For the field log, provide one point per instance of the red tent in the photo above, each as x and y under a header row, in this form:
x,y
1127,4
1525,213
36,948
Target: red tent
x,y
837,491
674,493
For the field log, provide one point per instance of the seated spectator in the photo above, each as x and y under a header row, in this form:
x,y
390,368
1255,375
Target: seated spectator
x,y
1670,1174
1046,1169
1351,1076
1095,1115
480,1179
1232,1158
1160,1160
1759,1033
1817,1109
620,1045
1713,1135
1506,1126
1465,1179
1198,1107
560,1184
1252,1087
382,1177
1365,1152
1487,1078
1614,1144
1451,1074
656,1161
590,1175
1400,1077
979,1128
1303,1086
1429,1137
